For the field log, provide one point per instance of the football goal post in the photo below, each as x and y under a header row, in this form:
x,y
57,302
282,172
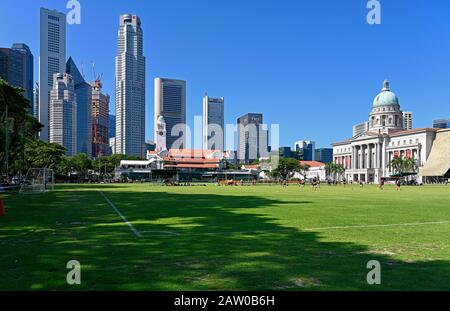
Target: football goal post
x,y
38,180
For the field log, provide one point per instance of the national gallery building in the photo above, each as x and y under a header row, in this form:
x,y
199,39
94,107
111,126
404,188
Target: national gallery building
x,y
366,157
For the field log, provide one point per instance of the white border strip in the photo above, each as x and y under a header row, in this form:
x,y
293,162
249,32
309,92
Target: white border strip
x,y
287,230
135,231
378,226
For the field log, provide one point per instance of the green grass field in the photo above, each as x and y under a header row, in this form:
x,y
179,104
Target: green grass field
x,y
227,238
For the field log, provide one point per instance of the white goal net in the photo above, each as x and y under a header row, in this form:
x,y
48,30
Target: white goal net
x,y
38,180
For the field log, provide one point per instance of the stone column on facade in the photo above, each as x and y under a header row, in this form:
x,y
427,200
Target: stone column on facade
x,y
383,156
374,150
363,158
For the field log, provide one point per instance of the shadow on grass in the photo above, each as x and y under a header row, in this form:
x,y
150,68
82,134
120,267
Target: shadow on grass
x,y
190,242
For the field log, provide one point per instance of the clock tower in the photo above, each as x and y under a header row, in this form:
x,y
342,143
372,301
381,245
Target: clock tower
x,y
160,134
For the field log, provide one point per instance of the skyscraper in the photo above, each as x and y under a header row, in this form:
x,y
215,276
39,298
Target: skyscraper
x,y
307,149
83,91
52,60
36,101
324,155
27,71
170,102
130,88
63,113
441,124
100,119
16,68
112,126
360,128
407,120
11,66
213,123
252,138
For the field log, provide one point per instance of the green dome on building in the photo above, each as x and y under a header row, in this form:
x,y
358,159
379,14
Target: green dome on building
x,y
386,97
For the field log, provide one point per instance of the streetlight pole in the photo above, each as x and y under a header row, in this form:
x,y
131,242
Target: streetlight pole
x,y
6,142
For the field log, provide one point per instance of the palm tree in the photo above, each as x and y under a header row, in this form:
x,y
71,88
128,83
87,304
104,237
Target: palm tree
x,y
410,165
340,170
397,164
329,168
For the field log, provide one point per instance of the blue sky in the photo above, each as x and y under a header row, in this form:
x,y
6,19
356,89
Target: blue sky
x,y
313,67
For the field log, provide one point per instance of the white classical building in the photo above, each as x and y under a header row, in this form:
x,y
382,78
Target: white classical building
x,y
366,157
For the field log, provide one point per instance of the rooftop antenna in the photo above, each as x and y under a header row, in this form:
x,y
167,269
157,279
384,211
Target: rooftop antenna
x,y
82,70
93,70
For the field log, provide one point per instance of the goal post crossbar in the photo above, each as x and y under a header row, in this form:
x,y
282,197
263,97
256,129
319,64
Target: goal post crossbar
x,y
38,180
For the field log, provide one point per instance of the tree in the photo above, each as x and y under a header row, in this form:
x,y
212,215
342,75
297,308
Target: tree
x,y
17,127
403,165
397,164
334,170
410,165
40,154
80,164
330,169
340,170
287,167
303,170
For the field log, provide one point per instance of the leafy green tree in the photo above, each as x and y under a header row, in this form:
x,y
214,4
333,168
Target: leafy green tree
x,y
17,128
334,170
397,164
403,165
410,165
38,153
80,165
287,167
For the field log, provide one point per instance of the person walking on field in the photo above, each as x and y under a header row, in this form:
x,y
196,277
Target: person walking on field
x,y
398,183
382,184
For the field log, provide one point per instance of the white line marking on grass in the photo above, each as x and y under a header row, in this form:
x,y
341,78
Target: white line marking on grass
x,y
377,226
287,230
135,231
161,232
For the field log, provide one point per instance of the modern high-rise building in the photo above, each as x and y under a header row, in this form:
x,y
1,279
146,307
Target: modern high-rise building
x,y
170,103
324,155
112,126
286,152
130,88
252,138
100,120
16,68
27,71
306,149
36,101
63,113
10,66
360,128
83,91
213,123
52,60
441,124
407,120
112,133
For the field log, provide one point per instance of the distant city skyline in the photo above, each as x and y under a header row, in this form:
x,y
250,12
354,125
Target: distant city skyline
x,y
336,69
